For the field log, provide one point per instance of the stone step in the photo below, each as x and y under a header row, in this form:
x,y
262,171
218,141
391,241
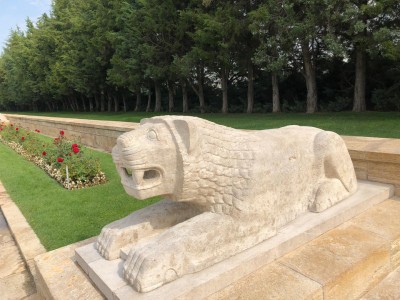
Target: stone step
x,y
348,262
358,246
388,288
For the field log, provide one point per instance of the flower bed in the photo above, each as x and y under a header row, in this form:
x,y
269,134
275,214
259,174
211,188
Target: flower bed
x,y
67,162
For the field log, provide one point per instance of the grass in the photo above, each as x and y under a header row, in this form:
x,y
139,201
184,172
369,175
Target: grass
x,y
58,216
376,124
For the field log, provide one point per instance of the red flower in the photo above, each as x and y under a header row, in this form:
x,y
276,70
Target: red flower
x,y
62,132
17,129
23,138
74,146
44,153
56,139
75,149
60,159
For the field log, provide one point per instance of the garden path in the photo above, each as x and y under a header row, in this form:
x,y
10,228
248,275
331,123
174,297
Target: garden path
x,y
16,281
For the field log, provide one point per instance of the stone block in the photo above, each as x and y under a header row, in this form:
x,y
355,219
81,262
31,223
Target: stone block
x,y
17,286
11,260
107,276
386,289
346,261
25,237
384,172
384,220
361,168
273,281
59,277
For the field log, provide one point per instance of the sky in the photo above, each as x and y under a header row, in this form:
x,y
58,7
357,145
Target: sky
x,y
13,13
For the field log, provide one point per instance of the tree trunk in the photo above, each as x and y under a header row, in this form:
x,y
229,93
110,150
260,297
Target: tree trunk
x,y
138,100
185,102
311,82
102,102
65,105
116,103
170,97
71,103
109,102
124,102
91,104
157,86
359,85
148,102
250,87
200,90
97,102
201,98
224,86
83,103
75,100
276,103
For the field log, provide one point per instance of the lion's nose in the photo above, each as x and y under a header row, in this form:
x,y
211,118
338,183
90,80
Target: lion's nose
x,y
125,140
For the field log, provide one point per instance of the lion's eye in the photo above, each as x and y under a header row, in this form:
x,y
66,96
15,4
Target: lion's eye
x,y
152,135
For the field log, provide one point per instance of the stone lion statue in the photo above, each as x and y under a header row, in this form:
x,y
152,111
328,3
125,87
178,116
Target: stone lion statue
x,y
225,190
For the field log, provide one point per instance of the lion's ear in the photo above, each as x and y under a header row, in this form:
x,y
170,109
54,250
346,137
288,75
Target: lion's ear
x,y
188,133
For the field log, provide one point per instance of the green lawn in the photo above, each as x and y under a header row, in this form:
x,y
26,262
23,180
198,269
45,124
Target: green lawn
x,y
378,124
58,216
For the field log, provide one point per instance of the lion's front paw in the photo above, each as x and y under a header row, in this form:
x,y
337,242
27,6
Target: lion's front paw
x,y
151,266
111,240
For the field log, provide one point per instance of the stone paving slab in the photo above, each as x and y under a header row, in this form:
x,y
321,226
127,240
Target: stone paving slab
x,y
384,220
389,288
59,277
26,239
16,281
274,281
206,282
17,286
346,261
11,260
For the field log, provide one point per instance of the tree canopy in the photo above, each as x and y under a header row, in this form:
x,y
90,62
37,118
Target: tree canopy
x,y
213,55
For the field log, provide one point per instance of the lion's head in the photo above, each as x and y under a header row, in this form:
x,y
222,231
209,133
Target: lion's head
x,y
149,159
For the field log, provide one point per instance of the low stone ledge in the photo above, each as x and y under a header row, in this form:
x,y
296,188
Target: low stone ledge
x,y
376,159
25,238
59,277
97,134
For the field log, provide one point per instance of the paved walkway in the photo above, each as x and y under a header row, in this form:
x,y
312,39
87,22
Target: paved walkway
x,y
16,281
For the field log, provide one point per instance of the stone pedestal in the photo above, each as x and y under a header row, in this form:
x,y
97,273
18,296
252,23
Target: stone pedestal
x,y
108,277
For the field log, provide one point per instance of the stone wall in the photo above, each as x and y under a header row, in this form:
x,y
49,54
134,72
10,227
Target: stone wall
x,y
374,159
100,135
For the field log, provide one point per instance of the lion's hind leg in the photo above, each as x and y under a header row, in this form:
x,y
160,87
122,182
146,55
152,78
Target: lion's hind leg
x,y
337,176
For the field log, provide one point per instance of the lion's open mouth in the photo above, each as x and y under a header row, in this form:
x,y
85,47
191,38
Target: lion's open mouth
x,y
143,179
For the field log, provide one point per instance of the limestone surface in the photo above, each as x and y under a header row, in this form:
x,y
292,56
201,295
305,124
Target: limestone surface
x,y
225,191
3,119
